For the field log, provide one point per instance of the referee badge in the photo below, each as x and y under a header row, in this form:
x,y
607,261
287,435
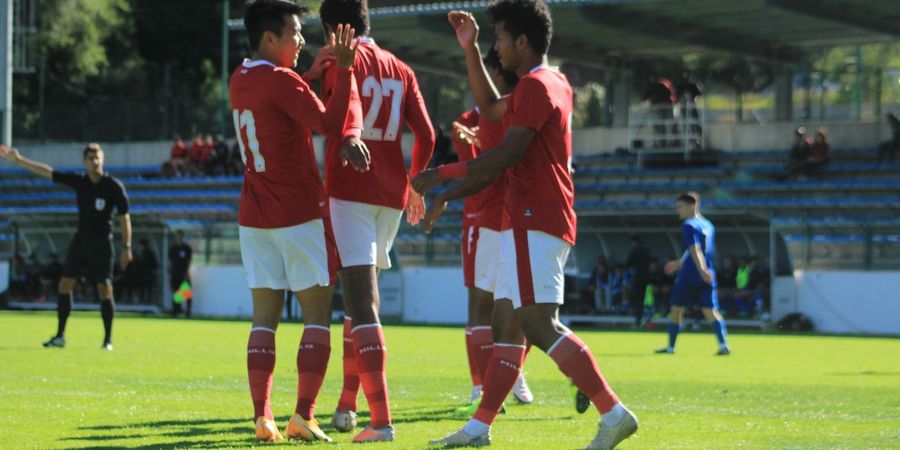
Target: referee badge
x,y
100,203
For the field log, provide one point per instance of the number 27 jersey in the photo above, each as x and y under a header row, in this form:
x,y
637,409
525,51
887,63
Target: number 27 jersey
x,y
390,97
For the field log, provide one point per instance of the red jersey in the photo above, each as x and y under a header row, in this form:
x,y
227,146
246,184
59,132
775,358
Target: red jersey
x,y
540,194
389,95
491,134
465,152
179,150
195,153
274,114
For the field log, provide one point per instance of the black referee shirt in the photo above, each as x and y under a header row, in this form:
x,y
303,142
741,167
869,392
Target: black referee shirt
x,y
95,201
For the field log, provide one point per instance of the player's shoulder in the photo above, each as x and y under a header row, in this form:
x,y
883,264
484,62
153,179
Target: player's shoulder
x,y
387,59
115,182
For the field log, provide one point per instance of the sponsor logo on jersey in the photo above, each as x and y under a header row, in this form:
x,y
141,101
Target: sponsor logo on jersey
x,y
100,203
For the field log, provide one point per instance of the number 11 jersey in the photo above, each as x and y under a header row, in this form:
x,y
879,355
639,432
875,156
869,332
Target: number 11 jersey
x,y
390,97
274,113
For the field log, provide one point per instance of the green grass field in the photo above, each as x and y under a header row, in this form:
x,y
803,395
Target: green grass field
x,y
178,384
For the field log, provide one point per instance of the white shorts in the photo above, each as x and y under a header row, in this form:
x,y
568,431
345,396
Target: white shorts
x,y
364,233
296,257
487,259
531,267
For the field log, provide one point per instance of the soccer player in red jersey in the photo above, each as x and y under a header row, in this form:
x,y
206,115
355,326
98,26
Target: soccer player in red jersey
x,y
482,214
285,236
366,208
539,220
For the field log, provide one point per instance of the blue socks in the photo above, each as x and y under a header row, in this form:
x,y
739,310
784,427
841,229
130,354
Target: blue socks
x,y
719,329
674,328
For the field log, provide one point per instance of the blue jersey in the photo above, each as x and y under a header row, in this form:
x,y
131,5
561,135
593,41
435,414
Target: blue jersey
x,y
697,230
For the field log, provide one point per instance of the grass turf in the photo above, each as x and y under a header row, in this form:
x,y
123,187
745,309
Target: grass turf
x,y
176,383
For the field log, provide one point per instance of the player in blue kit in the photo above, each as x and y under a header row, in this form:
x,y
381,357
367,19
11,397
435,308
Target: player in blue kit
x,y
696,280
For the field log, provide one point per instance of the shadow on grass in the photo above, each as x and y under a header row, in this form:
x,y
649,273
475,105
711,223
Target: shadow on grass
x,y
215,433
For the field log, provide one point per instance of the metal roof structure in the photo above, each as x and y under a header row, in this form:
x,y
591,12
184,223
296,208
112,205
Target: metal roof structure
x,y
593,32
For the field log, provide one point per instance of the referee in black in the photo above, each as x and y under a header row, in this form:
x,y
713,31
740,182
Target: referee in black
x,y
91,250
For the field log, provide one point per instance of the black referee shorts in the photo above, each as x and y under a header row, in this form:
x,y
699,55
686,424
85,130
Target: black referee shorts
x,y
91,256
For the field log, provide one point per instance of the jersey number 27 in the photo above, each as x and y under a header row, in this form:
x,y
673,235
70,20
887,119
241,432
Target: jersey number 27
x,y
378,90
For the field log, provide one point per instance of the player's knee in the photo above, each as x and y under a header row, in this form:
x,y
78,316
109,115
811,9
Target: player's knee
x,y
105,291
540,326
66,286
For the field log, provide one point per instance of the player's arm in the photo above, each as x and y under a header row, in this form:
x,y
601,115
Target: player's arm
x,y
126,256
122,205
471,185
700,263
423,147
352,150
488,164
491,105
35,167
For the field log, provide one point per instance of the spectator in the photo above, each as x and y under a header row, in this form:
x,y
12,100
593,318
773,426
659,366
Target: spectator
x,y
688,93
51,275
726,277
617,293
206,156
653,294
595,289
743,286
812,161
638,265
148,263
195,154
180,254
887,150
219,157
177,162
661,95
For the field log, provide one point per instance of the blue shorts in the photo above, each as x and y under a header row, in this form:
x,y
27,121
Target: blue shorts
x,y
686,294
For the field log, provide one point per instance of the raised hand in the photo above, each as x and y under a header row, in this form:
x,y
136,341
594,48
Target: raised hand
x,y
324,58
425,180
342,45
434,212
463,23
354,152
415,208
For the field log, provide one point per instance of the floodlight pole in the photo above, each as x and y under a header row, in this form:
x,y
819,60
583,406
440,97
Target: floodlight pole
x,y
223,88
6,71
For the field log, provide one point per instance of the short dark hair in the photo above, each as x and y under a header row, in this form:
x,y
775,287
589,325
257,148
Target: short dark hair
x,y
691,198
524,17
268,15
92,147
492,62
636,238
352,12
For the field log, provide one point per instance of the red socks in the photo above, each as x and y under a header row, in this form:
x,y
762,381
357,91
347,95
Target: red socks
x,y
260,364
350,391
312,360
502,371
474,370
483,346
576,362
371,355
